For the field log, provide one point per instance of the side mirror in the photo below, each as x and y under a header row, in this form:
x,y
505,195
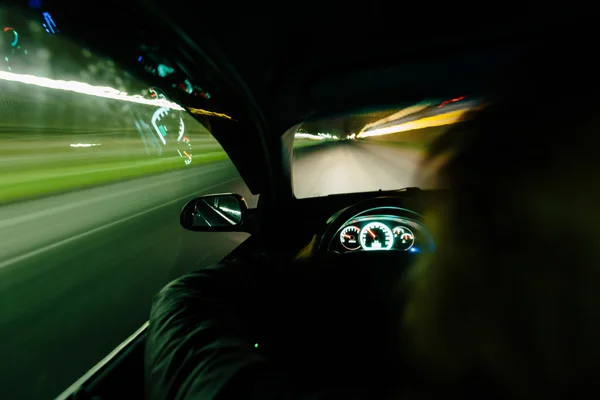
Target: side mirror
x,y
215,213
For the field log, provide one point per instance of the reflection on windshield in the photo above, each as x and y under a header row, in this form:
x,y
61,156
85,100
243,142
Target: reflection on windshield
x,y
82,99
95,166
373,150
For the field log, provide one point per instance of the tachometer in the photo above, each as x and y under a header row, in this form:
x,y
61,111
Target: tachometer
x,y
349,237
403,237
376,236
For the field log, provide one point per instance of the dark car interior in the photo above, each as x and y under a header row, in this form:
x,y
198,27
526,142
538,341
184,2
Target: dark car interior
x,y
270,73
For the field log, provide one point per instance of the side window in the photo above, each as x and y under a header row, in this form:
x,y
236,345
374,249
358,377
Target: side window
x,y
95,167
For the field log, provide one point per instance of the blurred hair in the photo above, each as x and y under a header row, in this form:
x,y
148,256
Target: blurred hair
x,y
513,290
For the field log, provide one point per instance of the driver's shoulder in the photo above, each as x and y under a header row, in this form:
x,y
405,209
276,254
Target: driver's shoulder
x,y
217,276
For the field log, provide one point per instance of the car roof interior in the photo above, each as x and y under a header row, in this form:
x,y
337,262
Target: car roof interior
x,y
273,72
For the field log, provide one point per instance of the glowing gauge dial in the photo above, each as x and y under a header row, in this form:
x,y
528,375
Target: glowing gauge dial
x,y
12,35
170,129
156,93
349,237
403,238
376,236
184,149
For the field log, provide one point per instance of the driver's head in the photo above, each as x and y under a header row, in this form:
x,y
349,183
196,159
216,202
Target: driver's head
x,y
513,290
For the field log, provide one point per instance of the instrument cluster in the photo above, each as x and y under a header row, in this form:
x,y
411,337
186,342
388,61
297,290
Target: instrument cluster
x,y
381,233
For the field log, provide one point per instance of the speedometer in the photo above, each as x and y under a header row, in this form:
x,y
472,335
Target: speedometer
x,y
376,236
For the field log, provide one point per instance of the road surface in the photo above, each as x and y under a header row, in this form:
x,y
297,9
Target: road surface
x,y
78,270
354,166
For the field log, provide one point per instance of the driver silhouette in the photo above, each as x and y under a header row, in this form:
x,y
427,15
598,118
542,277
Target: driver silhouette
x,y
507,306
511,295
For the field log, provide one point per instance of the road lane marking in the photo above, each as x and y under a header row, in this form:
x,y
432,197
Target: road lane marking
x,y
9,222
71,239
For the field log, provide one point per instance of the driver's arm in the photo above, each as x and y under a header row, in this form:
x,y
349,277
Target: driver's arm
x,y
198,344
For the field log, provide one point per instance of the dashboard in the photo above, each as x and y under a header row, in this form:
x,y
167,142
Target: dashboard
x,y
396,230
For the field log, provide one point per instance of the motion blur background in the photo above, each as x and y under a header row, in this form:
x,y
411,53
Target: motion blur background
x,y
95,167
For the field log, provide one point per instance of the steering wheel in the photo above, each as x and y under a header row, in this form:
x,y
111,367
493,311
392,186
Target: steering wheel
x,y
362,292
369,287
380,272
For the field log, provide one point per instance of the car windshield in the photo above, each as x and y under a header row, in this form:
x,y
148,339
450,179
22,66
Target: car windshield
x,y
378,149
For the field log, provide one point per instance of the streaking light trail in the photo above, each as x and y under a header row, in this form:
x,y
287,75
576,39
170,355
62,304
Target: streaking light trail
x,y
402,113
231,211
85,88
318,136
84,144
200,111
437,120
309,136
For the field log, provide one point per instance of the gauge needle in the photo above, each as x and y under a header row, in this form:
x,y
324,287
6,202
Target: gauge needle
x,y
371,233
348,236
